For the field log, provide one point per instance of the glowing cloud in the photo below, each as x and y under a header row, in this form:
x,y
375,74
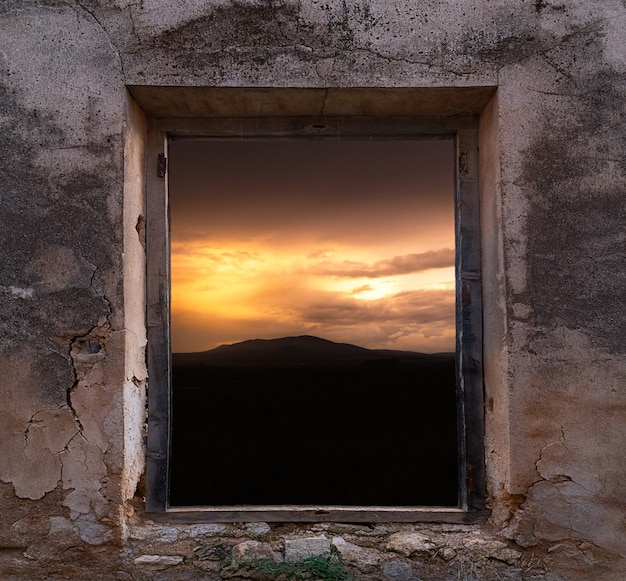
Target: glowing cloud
x,y
407,264
264,247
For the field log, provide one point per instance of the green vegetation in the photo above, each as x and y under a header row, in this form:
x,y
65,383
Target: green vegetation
x,y
318,568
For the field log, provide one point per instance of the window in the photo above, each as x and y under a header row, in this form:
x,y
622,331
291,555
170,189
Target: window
x,y
168,488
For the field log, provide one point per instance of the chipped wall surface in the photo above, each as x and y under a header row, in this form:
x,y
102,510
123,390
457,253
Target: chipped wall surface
x,y
72,330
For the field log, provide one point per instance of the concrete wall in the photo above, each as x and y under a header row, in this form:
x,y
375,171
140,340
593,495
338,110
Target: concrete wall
x,y
72,332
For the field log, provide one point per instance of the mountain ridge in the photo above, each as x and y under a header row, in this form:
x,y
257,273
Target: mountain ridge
x,y
300,350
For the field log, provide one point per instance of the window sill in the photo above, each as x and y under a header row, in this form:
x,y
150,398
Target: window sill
x,y
299,513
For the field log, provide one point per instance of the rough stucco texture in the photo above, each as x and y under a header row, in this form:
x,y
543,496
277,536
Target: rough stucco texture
x,y
68,365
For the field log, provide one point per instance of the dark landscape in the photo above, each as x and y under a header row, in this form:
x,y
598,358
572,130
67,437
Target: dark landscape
x,y
302,420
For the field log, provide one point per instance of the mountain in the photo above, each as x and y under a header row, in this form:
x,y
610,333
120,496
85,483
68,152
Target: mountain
x,y
302,350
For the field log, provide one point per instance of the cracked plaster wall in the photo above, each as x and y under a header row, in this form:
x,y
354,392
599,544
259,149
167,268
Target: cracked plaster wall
x,y
553,165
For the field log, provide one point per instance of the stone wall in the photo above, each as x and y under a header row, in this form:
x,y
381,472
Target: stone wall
x,y
72,331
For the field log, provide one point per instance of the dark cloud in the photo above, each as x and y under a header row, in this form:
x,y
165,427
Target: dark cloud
x,y
311,190
407,264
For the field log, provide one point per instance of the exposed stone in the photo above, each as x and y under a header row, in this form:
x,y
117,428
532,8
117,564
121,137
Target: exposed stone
x,y
301,548
397,571
213,552
356,555
483,549
60,525
249,550
94,533
258,530
521,529
158,562
205,530
207,565
36,525
446,553
408,544
153,532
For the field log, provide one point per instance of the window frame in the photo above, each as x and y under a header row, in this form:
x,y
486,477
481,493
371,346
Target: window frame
x,y
463,129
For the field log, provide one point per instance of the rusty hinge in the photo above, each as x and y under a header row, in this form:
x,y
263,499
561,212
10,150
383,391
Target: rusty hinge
x,y
463,169
161,165
469,479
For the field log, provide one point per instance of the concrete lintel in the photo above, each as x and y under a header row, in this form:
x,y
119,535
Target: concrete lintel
x,y
161,101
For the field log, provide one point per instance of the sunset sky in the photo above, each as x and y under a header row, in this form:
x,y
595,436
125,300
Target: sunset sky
x,y
351,241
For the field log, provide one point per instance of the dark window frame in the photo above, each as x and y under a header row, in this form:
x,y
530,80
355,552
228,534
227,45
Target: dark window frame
x,y
463,129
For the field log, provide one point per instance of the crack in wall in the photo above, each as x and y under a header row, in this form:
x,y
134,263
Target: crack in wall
x,y
26,432
33,421
324,101
66,450
101,294
557,477
130,8
104,30
74,344
89,343
560,441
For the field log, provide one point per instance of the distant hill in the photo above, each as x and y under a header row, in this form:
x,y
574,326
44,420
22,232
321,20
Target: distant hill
x,y
302,350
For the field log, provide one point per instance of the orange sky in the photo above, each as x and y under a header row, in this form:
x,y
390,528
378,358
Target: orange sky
x,y
349,241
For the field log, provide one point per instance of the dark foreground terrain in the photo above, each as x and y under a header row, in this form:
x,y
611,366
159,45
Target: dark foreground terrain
x,y
374,428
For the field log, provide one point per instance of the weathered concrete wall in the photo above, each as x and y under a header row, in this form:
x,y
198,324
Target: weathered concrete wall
x,y
72,336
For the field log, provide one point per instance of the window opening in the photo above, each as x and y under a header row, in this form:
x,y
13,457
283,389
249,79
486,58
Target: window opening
x,y
313,323
255,447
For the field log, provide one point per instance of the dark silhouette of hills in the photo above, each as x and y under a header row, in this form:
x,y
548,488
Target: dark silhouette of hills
x,y
302,350
302,420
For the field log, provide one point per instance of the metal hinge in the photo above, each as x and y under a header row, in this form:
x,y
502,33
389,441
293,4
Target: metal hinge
x,y
463,169
161,165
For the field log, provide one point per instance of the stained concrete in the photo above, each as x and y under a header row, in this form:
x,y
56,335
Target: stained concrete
x,y
72,331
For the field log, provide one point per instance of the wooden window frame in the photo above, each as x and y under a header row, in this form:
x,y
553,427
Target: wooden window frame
x,y
463,129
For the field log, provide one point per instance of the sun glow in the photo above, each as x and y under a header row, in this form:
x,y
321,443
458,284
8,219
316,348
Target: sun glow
x,y
247,282
254,259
